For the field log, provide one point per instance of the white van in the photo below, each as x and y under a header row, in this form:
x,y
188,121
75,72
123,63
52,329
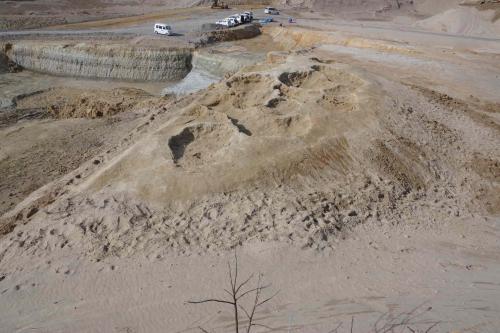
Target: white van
x,y
227,22
163,29
237,18
271,10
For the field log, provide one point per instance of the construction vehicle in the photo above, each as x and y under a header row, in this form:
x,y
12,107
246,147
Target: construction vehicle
x,y
219,5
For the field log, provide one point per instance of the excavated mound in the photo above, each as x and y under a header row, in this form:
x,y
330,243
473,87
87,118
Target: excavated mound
x,y
257,128
78,103
296,151
237,132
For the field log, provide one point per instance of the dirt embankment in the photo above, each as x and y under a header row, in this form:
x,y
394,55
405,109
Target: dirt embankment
x,y
138,59
103,61
227,35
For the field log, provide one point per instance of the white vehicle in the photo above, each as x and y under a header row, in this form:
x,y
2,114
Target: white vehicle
x,y
271,11
224,22
163,29
238,18
250,14
227,22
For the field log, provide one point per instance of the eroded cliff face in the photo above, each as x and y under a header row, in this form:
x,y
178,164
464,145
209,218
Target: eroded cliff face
x,y
103,61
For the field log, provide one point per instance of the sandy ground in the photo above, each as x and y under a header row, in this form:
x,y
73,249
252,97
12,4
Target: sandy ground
x,y
357,168
377,271
36,133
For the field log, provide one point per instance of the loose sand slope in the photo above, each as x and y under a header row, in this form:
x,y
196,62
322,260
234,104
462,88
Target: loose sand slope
x,y
463,21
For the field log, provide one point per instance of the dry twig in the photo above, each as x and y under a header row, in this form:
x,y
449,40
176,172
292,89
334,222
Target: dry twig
x,y
236,293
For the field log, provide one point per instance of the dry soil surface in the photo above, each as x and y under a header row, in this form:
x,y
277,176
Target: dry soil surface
x,y
357,168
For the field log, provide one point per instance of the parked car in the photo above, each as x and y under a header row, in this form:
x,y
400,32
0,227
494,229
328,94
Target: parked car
x,y
223,22
271,11
250,14
238,18
234,19
162,29
227,22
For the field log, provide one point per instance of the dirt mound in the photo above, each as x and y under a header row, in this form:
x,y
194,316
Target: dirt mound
x,y
246,131
75,103
217,172
224,35
462,21
297,150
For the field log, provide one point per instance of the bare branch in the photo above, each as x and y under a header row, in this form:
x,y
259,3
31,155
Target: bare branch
x,y
243,283
403,320
235,295
203,330
335,330
210,300
256,300
269,298
265,326
230,270
235,268
430,328
252,290
227,291
379,319
244,310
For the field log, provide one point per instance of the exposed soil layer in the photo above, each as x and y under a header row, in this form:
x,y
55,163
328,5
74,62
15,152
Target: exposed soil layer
x,y
141,58
103,61
84,103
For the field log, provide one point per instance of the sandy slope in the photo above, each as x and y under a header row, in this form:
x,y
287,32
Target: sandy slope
x,y
392,270
463,21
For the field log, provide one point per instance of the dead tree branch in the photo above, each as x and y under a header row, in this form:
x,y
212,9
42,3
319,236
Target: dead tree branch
x,y
237,292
